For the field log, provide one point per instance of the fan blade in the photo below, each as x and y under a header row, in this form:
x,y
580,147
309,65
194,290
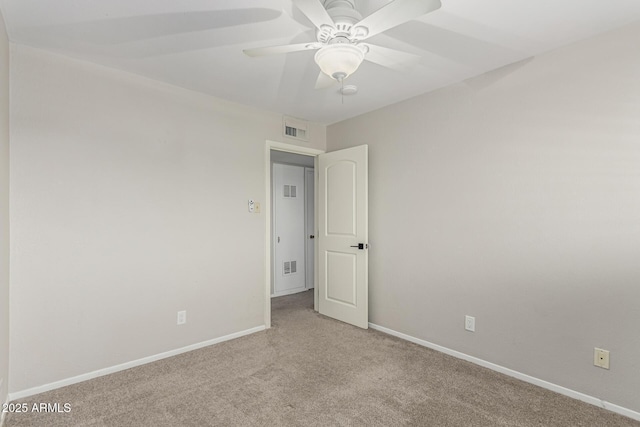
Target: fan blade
x,y
316,13
395,13
324,81
274,50
115,31
390,58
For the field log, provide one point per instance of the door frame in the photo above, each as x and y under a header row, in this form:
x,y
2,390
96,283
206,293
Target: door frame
x,y
309,260
288,148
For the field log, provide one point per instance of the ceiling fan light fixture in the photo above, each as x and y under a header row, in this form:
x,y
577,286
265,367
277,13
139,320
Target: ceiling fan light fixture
x,y
339,60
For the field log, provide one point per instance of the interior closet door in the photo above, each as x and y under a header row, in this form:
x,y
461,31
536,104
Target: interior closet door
x,y
289,229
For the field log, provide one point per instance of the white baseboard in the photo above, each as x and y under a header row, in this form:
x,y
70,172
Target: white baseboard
x,y
515,374
106,371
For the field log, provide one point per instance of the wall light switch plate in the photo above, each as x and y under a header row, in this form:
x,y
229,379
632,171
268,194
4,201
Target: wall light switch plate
x,y
470,323
182,317
252,205
257,207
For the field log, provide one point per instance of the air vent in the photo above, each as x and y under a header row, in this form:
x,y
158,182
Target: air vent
x,y
289,267
289,191
295,128
295,132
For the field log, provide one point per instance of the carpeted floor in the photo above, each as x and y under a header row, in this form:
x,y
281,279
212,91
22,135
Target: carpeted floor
x,y
309,370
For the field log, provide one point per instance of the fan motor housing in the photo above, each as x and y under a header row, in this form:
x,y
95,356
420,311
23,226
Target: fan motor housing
x,y
344,15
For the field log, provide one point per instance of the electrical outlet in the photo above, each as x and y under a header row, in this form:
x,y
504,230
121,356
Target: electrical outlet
x,y
182,317
470,323
601,358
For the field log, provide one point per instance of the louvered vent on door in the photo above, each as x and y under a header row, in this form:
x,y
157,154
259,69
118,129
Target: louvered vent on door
x,y
289,191
289,267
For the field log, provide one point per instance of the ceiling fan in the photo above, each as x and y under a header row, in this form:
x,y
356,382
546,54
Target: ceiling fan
x,y
340,33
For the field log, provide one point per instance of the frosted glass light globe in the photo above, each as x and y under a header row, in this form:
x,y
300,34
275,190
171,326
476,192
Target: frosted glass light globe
x,y
339,60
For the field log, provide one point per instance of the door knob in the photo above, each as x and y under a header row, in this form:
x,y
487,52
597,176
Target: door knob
x,y
312,236
359,246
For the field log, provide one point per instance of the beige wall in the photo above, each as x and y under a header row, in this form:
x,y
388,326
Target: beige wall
x,y
129,203
515,198
4,211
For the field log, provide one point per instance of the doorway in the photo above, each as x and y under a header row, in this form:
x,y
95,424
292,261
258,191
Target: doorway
x,y
309,154
341,228
293,235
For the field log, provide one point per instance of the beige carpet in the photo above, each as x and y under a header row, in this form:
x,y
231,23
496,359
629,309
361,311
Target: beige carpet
x,y
309,370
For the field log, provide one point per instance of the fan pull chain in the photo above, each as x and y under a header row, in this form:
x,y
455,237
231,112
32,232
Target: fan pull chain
x,y
342,89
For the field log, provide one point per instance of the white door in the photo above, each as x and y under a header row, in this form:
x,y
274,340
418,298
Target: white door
x,y
309,195
343,235
289,232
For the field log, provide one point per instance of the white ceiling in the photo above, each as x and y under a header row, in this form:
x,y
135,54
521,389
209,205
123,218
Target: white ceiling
x,y
197,44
